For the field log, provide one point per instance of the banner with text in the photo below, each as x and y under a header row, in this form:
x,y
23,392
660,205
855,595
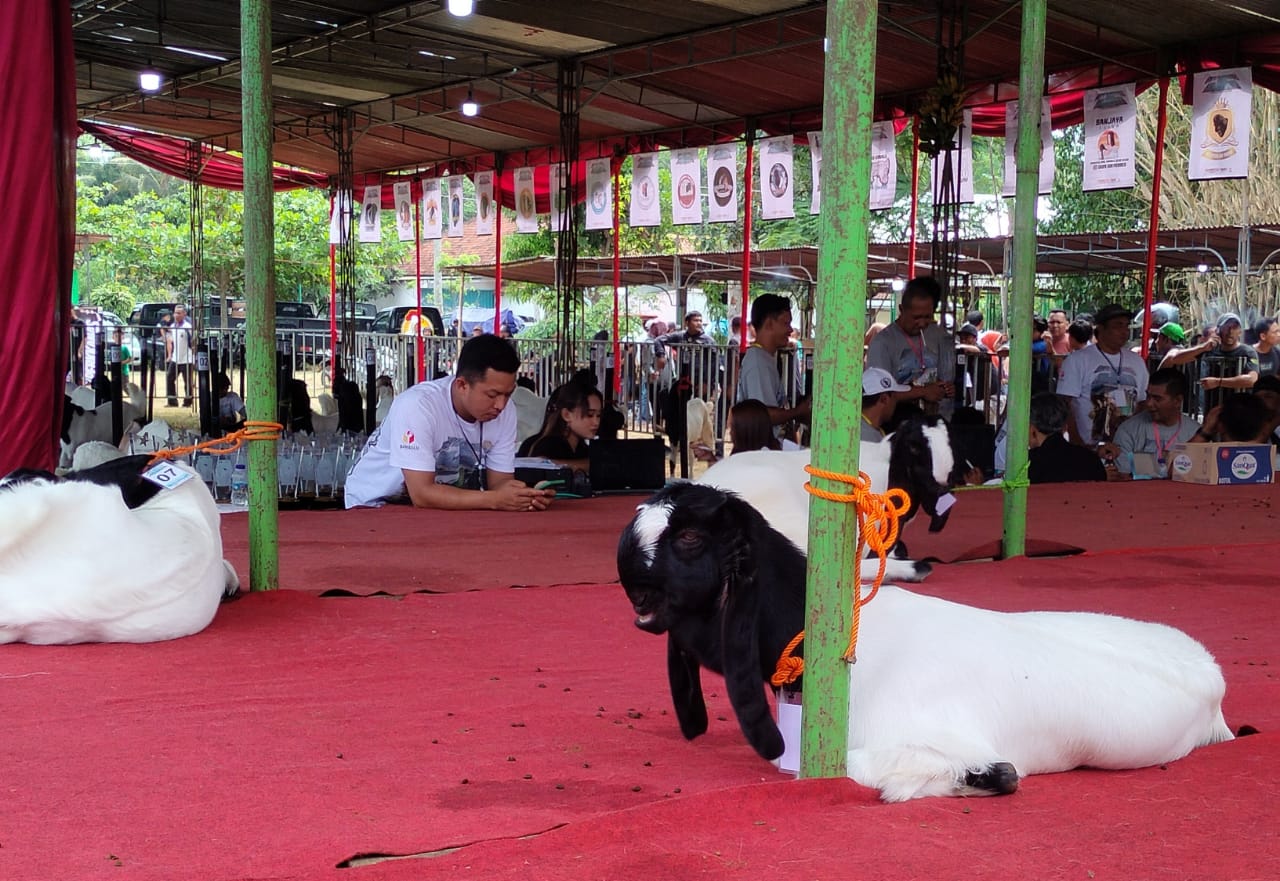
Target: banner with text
x,y
371,216
455,206
884,166
526,204
1110,133
404,210
1047,163
432,213
686,186
1221,107
340,218
484,203
599,195
722,183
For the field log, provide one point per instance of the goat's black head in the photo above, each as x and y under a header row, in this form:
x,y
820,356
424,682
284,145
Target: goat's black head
x,y
923,462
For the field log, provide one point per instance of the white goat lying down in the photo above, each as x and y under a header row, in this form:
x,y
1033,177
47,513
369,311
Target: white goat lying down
x,y
919,458
945,699
104,555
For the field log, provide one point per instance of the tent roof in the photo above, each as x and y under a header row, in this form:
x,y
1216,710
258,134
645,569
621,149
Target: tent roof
x,y
652,72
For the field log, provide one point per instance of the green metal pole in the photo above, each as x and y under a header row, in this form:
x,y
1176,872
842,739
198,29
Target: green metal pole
x,y
259,288
1026,194
837,411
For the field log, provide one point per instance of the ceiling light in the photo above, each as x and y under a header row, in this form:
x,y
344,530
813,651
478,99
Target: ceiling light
x,y
1202,267
462,8
149,81
469,106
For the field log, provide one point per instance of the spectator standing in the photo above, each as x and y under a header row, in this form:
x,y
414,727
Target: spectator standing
x,y
1079,334
1057,340
1104,382
916,351
1228,363
179,351
1268,347
759,376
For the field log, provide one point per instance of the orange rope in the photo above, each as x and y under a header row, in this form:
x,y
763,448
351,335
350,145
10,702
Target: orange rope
x,y
222,446
878,524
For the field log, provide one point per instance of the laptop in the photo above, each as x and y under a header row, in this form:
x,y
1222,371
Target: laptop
x,y
628,466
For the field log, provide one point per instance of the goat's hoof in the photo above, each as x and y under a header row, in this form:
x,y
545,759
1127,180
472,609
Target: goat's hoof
x,y
998,778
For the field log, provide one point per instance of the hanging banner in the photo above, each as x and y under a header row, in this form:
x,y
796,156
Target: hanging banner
x,y
371,216
686,186
1221,107
777,178
815,169
599,195
884,166
1047,164
455,206
340,218
722,183
432,213
404,211
961,159
526,205
1110,131
559,205
645,210
484,203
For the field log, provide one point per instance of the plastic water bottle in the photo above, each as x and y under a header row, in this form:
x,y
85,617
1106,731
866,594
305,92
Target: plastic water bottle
x,y
240,486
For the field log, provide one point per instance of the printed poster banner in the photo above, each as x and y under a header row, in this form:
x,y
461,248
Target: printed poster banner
x,y
686,187
371,216
722,183
777,178
404,211
432,210
1110,132
599,195
484,203
961,155
884,166
455,206
340,218
526,205
559,214
1221,107
815,168
645,208
1047,165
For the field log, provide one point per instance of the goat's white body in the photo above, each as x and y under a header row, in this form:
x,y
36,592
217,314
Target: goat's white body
x,y
76,565
940,689
94,425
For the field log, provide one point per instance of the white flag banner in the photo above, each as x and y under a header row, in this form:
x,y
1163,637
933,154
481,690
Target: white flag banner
x,y
560,206
884,166
484,203
371,216
815,168
340,218
526,204
432,212
599,195
1047,163
777,178
686,186
722,183
645,208
455,206
404,210
1110,131
1221,108
961,155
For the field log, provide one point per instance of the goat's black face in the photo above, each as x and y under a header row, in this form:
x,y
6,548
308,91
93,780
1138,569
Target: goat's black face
x,y
924,463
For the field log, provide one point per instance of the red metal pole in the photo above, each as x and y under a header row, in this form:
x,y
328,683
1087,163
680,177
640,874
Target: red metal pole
x,y
1153,233
915,195
333,298
497,249
617,285
417,259
747,172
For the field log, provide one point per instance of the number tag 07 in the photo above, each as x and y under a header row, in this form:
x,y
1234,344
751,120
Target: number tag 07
x,y
166,475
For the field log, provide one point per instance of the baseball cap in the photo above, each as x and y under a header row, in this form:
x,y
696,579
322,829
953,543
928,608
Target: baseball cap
x,y
1173,331
1110,311
876,382
1226,318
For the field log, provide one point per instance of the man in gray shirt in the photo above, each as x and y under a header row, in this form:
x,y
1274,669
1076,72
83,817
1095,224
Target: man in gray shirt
x,y
758,375
916,351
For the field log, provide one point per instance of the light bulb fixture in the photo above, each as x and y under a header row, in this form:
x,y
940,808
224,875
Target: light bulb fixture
x,y
149,81
898,285
469,106
1202,267
462,8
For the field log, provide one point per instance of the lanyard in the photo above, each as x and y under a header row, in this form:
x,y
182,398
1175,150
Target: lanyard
x,y
1161,447
1114,368
919,353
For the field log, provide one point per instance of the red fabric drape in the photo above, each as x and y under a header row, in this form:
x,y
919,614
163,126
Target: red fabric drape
x,y
37,177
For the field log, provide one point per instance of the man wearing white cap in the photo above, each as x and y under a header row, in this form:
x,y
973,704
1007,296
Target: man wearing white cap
x,y
879,397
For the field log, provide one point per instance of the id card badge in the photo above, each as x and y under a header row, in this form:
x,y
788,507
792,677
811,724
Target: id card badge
x,y
1124,398
166,475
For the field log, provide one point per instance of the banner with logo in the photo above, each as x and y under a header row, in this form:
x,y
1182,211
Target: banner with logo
x,y
815,169
599,195
722,183
1047,164
1221,107
777,178
455,206
526,204
340,218
559,208
404,210
484,203
884,166
432,210
961,156
371,216
686,186
645,208
1110,132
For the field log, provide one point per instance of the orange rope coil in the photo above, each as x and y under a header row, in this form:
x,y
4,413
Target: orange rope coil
x,y
222,446
879,515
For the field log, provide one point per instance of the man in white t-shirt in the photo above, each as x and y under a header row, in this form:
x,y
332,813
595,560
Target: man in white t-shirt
x,y
179,351
451,442
1105,382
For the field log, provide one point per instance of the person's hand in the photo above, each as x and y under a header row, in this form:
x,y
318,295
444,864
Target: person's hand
x,y
515,495
935,391
1108,452
1211,382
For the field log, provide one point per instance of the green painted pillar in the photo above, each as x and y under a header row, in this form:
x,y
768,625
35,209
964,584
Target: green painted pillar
x,y
259,289
1027,158
837,411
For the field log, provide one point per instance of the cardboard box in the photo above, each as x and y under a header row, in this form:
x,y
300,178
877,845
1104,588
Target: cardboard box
x,y
1222,463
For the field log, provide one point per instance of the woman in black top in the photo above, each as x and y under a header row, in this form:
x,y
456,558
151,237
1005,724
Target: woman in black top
x,y
573,419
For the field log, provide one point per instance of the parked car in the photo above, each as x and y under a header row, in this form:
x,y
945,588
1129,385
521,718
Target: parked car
x,y
392,320
365,314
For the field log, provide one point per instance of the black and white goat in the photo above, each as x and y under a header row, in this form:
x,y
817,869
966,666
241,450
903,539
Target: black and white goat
x,y
945,699
105,555
919,458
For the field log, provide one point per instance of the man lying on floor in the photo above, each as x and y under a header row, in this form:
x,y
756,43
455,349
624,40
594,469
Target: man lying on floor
x,y
431,451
